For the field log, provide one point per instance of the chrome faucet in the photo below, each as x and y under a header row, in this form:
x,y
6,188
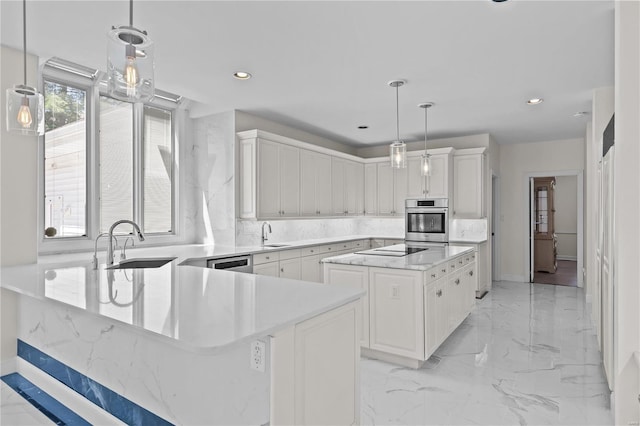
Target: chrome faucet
x,y
95,248
264,233
110,245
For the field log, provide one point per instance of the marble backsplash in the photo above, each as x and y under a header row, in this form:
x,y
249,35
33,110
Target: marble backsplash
x,y
470,229
248,231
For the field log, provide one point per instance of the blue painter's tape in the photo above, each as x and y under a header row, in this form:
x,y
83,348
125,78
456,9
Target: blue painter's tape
x,y
45,403
110,401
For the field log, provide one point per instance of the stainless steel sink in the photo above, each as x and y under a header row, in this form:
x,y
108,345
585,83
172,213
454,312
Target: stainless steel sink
x,y
148,262
276,245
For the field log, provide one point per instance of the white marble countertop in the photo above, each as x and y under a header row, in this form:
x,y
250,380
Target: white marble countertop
x,y
420,261
195,308
468,240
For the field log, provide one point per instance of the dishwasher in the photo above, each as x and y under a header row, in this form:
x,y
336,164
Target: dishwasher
x,y
235,263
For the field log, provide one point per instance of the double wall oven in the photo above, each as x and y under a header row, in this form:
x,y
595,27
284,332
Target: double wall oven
x,y
427,221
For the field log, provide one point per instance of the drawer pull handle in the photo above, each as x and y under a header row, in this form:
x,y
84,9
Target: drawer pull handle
x,y
433,275
267,258
470,273
460,261
281,269
311,251
457,281
444,270
439,293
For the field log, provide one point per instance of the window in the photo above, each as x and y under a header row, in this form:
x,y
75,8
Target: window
x,y
104,160
65,161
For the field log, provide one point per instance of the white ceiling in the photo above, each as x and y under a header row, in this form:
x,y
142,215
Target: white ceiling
x,y
323,66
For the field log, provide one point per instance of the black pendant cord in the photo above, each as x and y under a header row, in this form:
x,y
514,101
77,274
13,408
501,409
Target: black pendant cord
x,y
24,38
131,13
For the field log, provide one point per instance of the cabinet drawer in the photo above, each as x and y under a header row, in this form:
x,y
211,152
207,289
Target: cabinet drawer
x,y
433,274
329,248
452,265
348,245
259,258
289,254
467,258
362,245
310,251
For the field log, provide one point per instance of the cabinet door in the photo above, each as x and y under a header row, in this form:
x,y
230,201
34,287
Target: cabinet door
x,y
310,268
415,180
354,277
353,180
338,183
290,268
400,190
371,189
271,269
308,183
323,184
289,181
359,191
438,181
471,278
385,189
434,315
468,186
456,299
268,179
396,312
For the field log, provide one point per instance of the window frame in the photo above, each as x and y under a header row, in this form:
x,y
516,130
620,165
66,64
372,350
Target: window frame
x,y
95,88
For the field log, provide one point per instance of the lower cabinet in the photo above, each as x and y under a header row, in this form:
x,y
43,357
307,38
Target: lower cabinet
x,y
310,268
395,303
407,314
315,370
290,268
271,269
356,277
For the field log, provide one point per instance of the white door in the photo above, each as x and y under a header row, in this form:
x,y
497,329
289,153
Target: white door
x,y
532,228
371,189
607,283
338,183
290,268
268,179
308,162
385,189
323,184
289,181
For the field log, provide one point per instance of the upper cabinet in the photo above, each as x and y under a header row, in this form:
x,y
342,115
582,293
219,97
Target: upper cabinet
x,y
278,180
371,189
391,189
315,186
469,182
439,183
347,183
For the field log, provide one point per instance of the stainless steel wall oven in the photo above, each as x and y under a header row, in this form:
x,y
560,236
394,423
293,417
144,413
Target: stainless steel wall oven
x,y
427,220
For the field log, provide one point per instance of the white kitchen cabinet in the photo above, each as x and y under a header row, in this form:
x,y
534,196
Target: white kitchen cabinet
x,y
311,268
354,277
315,185
469,182
271,269
482,272
392,190
396,312
439,183
436,311
415,181
290,268
278,180
347,187
371,189
315,370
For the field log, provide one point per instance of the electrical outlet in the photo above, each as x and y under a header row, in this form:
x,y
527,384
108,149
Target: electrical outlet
x,y
258,355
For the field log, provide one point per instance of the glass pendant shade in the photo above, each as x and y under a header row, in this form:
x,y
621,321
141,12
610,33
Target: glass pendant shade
x,y
425,169
25,111
130,64
398,155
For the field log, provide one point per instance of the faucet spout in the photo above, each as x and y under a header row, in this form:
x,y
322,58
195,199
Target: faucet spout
x,y
265,226
110,244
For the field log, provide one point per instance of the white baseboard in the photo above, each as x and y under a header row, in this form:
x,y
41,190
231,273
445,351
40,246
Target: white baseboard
x,y
573,258
8,366
514,278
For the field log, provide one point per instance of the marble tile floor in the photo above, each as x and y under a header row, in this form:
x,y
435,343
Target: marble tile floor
x,y
526,355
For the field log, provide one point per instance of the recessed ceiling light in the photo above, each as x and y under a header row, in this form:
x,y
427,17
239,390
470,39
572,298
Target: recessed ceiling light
x,y
580,114
242,75
363,127
498,1
535,101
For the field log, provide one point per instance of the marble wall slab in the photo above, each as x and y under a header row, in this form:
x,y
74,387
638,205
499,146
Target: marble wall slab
x,y
180,386
469,229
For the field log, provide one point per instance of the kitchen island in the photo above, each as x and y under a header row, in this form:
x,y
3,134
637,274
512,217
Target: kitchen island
x,y
413,301
185,344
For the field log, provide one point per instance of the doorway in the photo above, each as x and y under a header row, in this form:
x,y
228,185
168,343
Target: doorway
x,y
555,218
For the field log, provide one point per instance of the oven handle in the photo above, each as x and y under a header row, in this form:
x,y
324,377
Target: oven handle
x,y
426,210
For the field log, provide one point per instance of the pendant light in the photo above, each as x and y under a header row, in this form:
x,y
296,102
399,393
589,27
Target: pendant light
x,y
130,62
398,149
425,166
25,106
